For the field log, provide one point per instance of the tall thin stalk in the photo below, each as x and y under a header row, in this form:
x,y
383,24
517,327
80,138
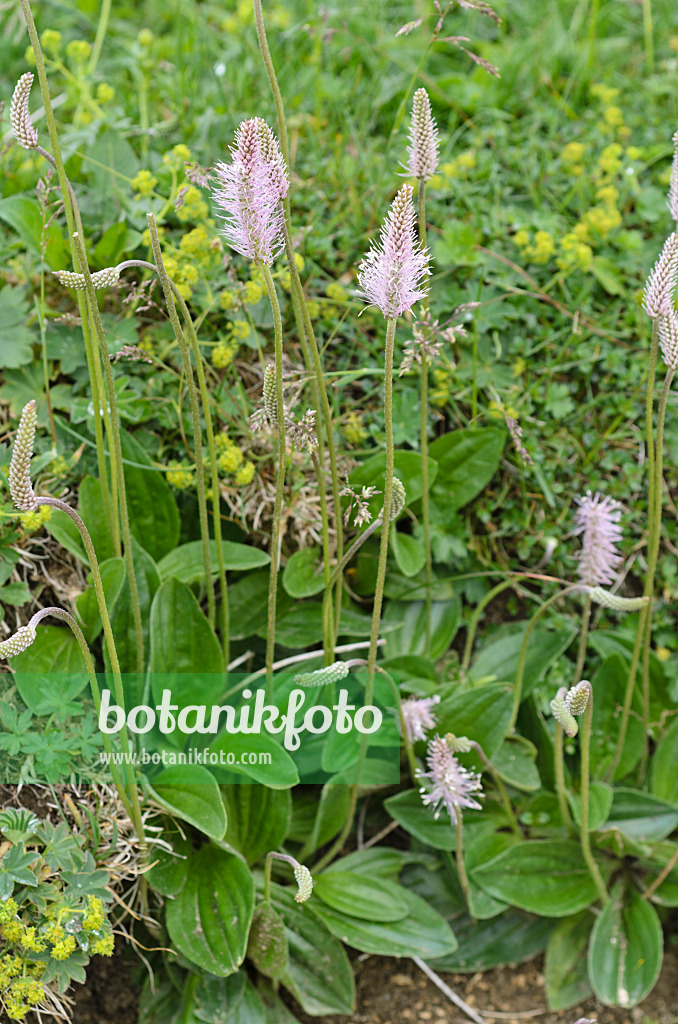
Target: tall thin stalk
x,y
423,436
585,839
280,478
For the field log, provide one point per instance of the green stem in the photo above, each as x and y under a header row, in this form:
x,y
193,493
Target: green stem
x,y
110,644
116,448
423,434
520,671
280,478
195,412
499,783
655,534
73,222
461,869
583,637
475,619
594,870
100,36
648,589
559,769
99,389
61,613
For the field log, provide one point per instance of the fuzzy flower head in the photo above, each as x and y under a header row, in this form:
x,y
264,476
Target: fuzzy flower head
x,y
418,717
597,519
661,284
253,186
668,339
423,147
20,115
452,786
391,274
20,485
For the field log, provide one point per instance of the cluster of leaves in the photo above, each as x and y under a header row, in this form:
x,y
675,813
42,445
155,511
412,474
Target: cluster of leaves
x,y
53,917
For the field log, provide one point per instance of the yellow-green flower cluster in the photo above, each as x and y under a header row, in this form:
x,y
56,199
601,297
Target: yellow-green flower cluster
x,y
183,273
241,329
253,292
227,299
50,40
193,207
231,460
336,292
460,167
143,184
353,429
176,157
78,50
32,521
105,92
179,475
21,996
223,354
197,245
441,390
537,250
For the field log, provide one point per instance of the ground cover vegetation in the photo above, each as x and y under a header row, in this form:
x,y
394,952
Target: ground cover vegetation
x,y
351,354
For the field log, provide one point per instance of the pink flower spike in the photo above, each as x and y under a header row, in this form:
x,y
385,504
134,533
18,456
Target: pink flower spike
x,y
598,519
673,186
417,716
253,186
452,784
423,147
392,272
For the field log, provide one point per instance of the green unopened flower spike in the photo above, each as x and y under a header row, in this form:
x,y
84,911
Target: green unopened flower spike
x,y
20,485
305,883
563,715
577,698
618,604
269,394
323,676
398,498
100,279
18,642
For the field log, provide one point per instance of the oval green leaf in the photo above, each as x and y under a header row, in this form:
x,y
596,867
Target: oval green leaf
x,y
190,792
370,898
548,878
626,949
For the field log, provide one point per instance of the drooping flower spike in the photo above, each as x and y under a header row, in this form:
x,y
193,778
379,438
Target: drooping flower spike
x,y
423,147
391,274
418,716
598,519
253,186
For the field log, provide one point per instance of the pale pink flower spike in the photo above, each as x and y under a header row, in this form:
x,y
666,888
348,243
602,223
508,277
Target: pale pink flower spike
x,y
452,784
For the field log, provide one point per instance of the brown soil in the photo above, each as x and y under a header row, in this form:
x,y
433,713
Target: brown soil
x,y
396,992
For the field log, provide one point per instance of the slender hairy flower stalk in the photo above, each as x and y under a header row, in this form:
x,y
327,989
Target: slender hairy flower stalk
x,y
475,619
22,493
559,772
280,479
116,448
195,412
520,670
306,334
585,839
74,223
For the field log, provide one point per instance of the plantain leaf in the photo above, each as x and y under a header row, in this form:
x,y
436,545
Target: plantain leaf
x,y
626,949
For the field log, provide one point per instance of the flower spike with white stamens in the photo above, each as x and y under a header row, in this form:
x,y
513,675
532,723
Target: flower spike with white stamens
x,y
661,284
100,278
417,716
563,715
453,785
323,676
20,115
618,604
391,274
253,186
598,519
577,697
423,147
20,485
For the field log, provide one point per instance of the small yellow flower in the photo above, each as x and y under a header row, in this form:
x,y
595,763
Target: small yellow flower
x,y
336,291
193,206
634,153
285,279
573,153
78,50
543,248
144,183
353,429
521,239
177,156
605,93
663,653
299,261
223,442
94,918
245,474
171,266
188,273
50,40
519,367
179,476
609,161
223,354
241,329
196,243
254,292
613,116
230,460
62,950
32,521
105,945
145,37
105,92
29,56
184,290
314,308
227,299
